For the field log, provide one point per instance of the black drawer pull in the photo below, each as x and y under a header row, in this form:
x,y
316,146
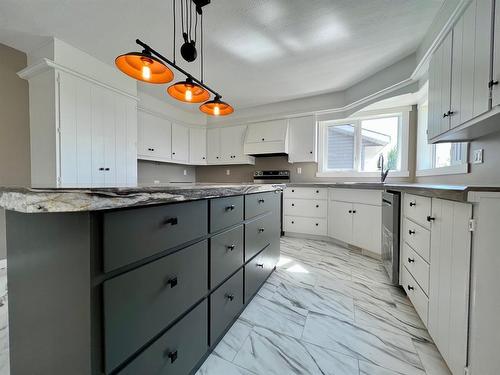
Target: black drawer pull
x,y
231,247
411,260
172,356
261,230
350,211
106,169
430,218
101,169
230,208
230,297
293,191
293,222
293,204
317,224
171,221
353,211
492,83
411,232
261,265
172,282
317,206
261,201
413,204
410,287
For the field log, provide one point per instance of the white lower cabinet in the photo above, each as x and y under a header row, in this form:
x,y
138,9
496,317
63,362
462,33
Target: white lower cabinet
x,y
306,225
306,211
340,221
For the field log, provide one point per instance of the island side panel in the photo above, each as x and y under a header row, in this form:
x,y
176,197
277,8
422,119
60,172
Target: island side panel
x,y
49,278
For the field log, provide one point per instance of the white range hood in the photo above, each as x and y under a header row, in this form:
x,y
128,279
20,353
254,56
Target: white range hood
x,y
267,138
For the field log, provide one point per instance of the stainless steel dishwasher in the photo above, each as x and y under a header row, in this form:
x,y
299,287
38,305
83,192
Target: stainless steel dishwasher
x,y
390,234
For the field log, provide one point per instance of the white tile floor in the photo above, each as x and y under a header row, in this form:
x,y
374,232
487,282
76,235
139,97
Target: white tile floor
x,y
326,310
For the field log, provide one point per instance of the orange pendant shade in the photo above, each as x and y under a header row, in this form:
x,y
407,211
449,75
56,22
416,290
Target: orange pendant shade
x,y
144,67
188,91
216,107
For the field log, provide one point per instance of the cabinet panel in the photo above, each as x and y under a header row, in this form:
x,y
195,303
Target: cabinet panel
x,y
446,83
213,146
366,229
302,139
180,143
434,96
155,137
231,143
305,208
416,295
99,121
197,146
269,131
496,58
307,225
340,220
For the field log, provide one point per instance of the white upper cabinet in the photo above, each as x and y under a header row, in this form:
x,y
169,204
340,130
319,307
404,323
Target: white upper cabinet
x,y
302,140
225,146
180,143
269,131
494,83
213,146
197,146
154,137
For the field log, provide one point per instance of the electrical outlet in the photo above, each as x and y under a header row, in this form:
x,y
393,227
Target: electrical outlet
x,y
299,170
156,182
185,172
477,157
228,172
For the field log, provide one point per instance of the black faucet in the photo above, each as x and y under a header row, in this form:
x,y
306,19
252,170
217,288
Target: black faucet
x,y
380,165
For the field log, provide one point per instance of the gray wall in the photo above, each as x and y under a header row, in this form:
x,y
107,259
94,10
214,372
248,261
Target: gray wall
x,y
14,127
148,172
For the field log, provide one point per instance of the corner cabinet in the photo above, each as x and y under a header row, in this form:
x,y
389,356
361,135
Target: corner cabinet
x,y
460,80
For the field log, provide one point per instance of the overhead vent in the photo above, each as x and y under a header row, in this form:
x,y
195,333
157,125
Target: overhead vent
x,y
269,138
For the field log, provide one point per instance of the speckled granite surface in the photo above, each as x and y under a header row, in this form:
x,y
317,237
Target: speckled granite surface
x,y
72,200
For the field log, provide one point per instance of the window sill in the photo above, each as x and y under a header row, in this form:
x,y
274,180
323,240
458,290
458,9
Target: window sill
x,y
452,169
361,174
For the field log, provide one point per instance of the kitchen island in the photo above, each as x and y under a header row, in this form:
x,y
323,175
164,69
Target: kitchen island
x,y
133,281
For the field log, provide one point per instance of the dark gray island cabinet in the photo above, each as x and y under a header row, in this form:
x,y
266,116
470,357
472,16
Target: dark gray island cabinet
x,y
142,290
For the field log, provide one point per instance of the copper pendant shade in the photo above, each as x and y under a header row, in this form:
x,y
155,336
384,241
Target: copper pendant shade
x,y
188,91
216,107
144,67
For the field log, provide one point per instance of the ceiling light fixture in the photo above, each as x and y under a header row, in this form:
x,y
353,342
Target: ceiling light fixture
x,y
152,67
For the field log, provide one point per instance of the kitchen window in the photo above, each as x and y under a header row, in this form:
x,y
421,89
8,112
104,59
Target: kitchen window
x,y
351,147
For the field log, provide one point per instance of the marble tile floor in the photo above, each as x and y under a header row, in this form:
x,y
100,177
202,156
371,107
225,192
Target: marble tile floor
x,y
326,310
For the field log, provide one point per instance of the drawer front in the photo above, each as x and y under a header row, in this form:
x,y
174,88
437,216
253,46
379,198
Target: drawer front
x,y
225,303
418,238
178,350
260,232
417,266
226,254
134,234
418,209
142,302
258,269
306,225
258,204
225,212
373,197
306,208
306,193
416,295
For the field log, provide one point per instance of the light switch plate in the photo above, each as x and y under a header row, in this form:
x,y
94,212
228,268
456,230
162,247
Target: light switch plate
x,y
185,172
299,170
477,156
156,182
228,172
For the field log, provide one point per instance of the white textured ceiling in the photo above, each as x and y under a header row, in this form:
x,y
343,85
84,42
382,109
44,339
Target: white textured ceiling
x,y
256,51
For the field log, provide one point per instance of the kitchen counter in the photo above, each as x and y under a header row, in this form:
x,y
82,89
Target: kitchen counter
x,y
31,200
452,192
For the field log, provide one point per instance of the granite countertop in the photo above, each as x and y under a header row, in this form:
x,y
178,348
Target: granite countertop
x,y
33,200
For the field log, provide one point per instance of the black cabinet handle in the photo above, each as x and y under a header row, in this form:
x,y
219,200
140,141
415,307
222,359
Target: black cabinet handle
x,y
172,281
411,260
293,204
410,287
261,201
230,208
450,113
261,265
445,115
293,222
413,204
230,297
172,356
106,169
231,247
430,218
173,153
317,191
317,224
492,83
216,157
353,211
261,230
171,221
310,152
101,169
411,232
263,139
203,158
317,206
350,211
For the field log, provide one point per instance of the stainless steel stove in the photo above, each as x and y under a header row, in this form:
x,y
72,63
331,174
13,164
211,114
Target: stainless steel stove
x,y
271,177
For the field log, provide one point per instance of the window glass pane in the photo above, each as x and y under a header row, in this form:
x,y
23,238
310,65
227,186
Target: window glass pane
x,y
340,146
380,136
443,154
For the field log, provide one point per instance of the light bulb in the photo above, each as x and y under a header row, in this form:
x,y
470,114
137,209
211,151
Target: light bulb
x,y
188,95
146,72
216,110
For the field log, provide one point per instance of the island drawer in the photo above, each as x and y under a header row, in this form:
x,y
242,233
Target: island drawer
x,y
142,302
418,209
225,212
134,234
419,238
259,233
258,269
226,254
178,350
258,204
225,303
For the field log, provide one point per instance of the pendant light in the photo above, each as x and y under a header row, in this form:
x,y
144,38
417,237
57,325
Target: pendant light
x,y
188,91
216,107
144,67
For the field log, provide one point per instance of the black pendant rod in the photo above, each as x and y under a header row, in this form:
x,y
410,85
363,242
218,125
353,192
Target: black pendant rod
x,y
173,65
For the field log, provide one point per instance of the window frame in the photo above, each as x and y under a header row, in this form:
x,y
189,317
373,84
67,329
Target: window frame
x,y
403,134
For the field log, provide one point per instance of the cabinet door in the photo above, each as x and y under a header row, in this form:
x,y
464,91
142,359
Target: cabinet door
x,y
366,228
100,118
445,83
197,146
126,140
231,144
340,220
155,134
268,131
180,143
213,146
302,139
434,116
449,281
496,58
